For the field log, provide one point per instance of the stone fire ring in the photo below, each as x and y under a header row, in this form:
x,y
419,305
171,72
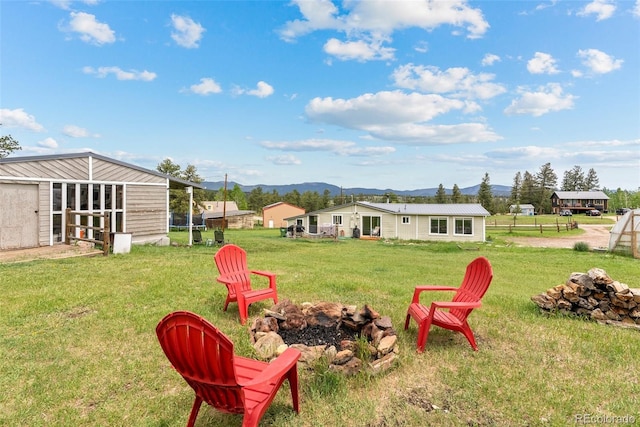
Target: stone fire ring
x,y
329,330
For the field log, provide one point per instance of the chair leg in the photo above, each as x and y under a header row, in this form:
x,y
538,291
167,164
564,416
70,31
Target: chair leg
x,y
423,334
194,411
469,334
293,383
406,322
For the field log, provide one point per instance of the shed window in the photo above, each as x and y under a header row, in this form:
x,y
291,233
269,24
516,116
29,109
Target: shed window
x,y
337,220
438,226
406,220
463,226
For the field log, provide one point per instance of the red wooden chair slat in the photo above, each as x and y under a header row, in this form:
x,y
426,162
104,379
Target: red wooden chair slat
x,y
451,315
204,357
231,261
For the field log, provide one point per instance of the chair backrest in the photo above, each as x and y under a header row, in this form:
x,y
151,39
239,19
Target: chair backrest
x,y
197,236
203,355
476,281
231,261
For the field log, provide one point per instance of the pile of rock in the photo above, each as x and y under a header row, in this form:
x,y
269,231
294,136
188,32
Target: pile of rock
x,y
328,330
596,295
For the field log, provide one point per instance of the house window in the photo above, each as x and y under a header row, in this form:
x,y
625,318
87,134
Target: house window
x,y
406,220
463,226
336,219
438,226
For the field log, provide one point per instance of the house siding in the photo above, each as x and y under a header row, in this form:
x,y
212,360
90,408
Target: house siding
x,y
277,213
392,226
146,210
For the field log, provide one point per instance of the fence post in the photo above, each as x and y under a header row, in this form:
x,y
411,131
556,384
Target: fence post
x,y
106,239
540,228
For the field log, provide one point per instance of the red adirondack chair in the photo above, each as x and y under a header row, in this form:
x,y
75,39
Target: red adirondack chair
x,y
451,315
231,261
204,357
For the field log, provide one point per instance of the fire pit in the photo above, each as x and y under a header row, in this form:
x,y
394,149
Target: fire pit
x,y
348,338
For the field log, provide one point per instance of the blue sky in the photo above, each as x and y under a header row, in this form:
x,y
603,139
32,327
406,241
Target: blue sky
x,y
376,94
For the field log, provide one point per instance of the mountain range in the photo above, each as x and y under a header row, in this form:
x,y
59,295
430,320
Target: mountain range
x,y
334,190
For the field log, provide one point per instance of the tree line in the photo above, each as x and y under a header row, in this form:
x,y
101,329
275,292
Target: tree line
x,y
528,188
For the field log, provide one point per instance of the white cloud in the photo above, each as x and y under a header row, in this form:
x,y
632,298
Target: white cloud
x,y
339,147
598,61
66,4
78,132
458,81
18,118
48,143
90,30
187,32
545,100
359,50
636,9
603,9
400,117
369,24
262,90
207,86
120,74
542,63
490,59
284,160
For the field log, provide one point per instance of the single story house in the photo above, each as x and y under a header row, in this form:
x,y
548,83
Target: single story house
x,y
274,215
35,191
523,209
404,221
579,201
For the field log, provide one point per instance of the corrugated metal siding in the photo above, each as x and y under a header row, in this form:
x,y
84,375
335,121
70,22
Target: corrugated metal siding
x,y
146,210
107,171
60,169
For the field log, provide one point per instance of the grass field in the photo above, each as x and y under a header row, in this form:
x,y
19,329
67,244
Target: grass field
x,y
78,343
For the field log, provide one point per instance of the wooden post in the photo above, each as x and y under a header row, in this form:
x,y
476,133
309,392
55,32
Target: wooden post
x,y
540,228
106,239
67,231
634,237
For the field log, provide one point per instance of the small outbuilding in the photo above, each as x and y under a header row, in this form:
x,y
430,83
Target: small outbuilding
x,y
625,234
274,215
35,192
524,209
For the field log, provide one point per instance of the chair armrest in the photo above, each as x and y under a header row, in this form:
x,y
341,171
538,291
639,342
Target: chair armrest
x,y
277,368
263,273
441,304
421,288
269,274
227,280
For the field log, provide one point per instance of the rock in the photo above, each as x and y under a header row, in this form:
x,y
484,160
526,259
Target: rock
x,y
383,323
267,345
343,357
383,363
386,344
352,367
325,314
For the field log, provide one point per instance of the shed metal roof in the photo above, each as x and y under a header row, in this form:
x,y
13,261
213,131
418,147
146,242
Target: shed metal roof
x,y
174,183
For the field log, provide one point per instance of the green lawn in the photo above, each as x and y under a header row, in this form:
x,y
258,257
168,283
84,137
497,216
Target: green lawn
x,y
78,343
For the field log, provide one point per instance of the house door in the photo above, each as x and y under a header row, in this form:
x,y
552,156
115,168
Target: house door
x,y
18,216
371,225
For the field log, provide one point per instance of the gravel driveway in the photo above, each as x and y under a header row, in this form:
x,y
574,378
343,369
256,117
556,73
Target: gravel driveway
x,y
596,235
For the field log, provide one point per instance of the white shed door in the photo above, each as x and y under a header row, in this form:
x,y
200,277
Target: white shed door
x,y
18,216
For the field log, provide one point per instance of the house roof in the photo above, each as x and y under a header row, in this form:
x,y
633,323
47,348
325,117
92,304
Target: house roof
x,y
583,195
467,209
523,206
273,205
174,183
216,215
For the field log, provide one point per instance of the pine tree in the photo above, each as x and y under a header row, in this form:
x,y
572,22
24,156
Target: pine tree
x,y
484,194
546,181
441,195
456,195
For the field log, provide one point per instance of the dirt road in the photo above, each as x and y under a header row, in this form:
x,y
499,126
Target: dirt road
x,y
596,235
